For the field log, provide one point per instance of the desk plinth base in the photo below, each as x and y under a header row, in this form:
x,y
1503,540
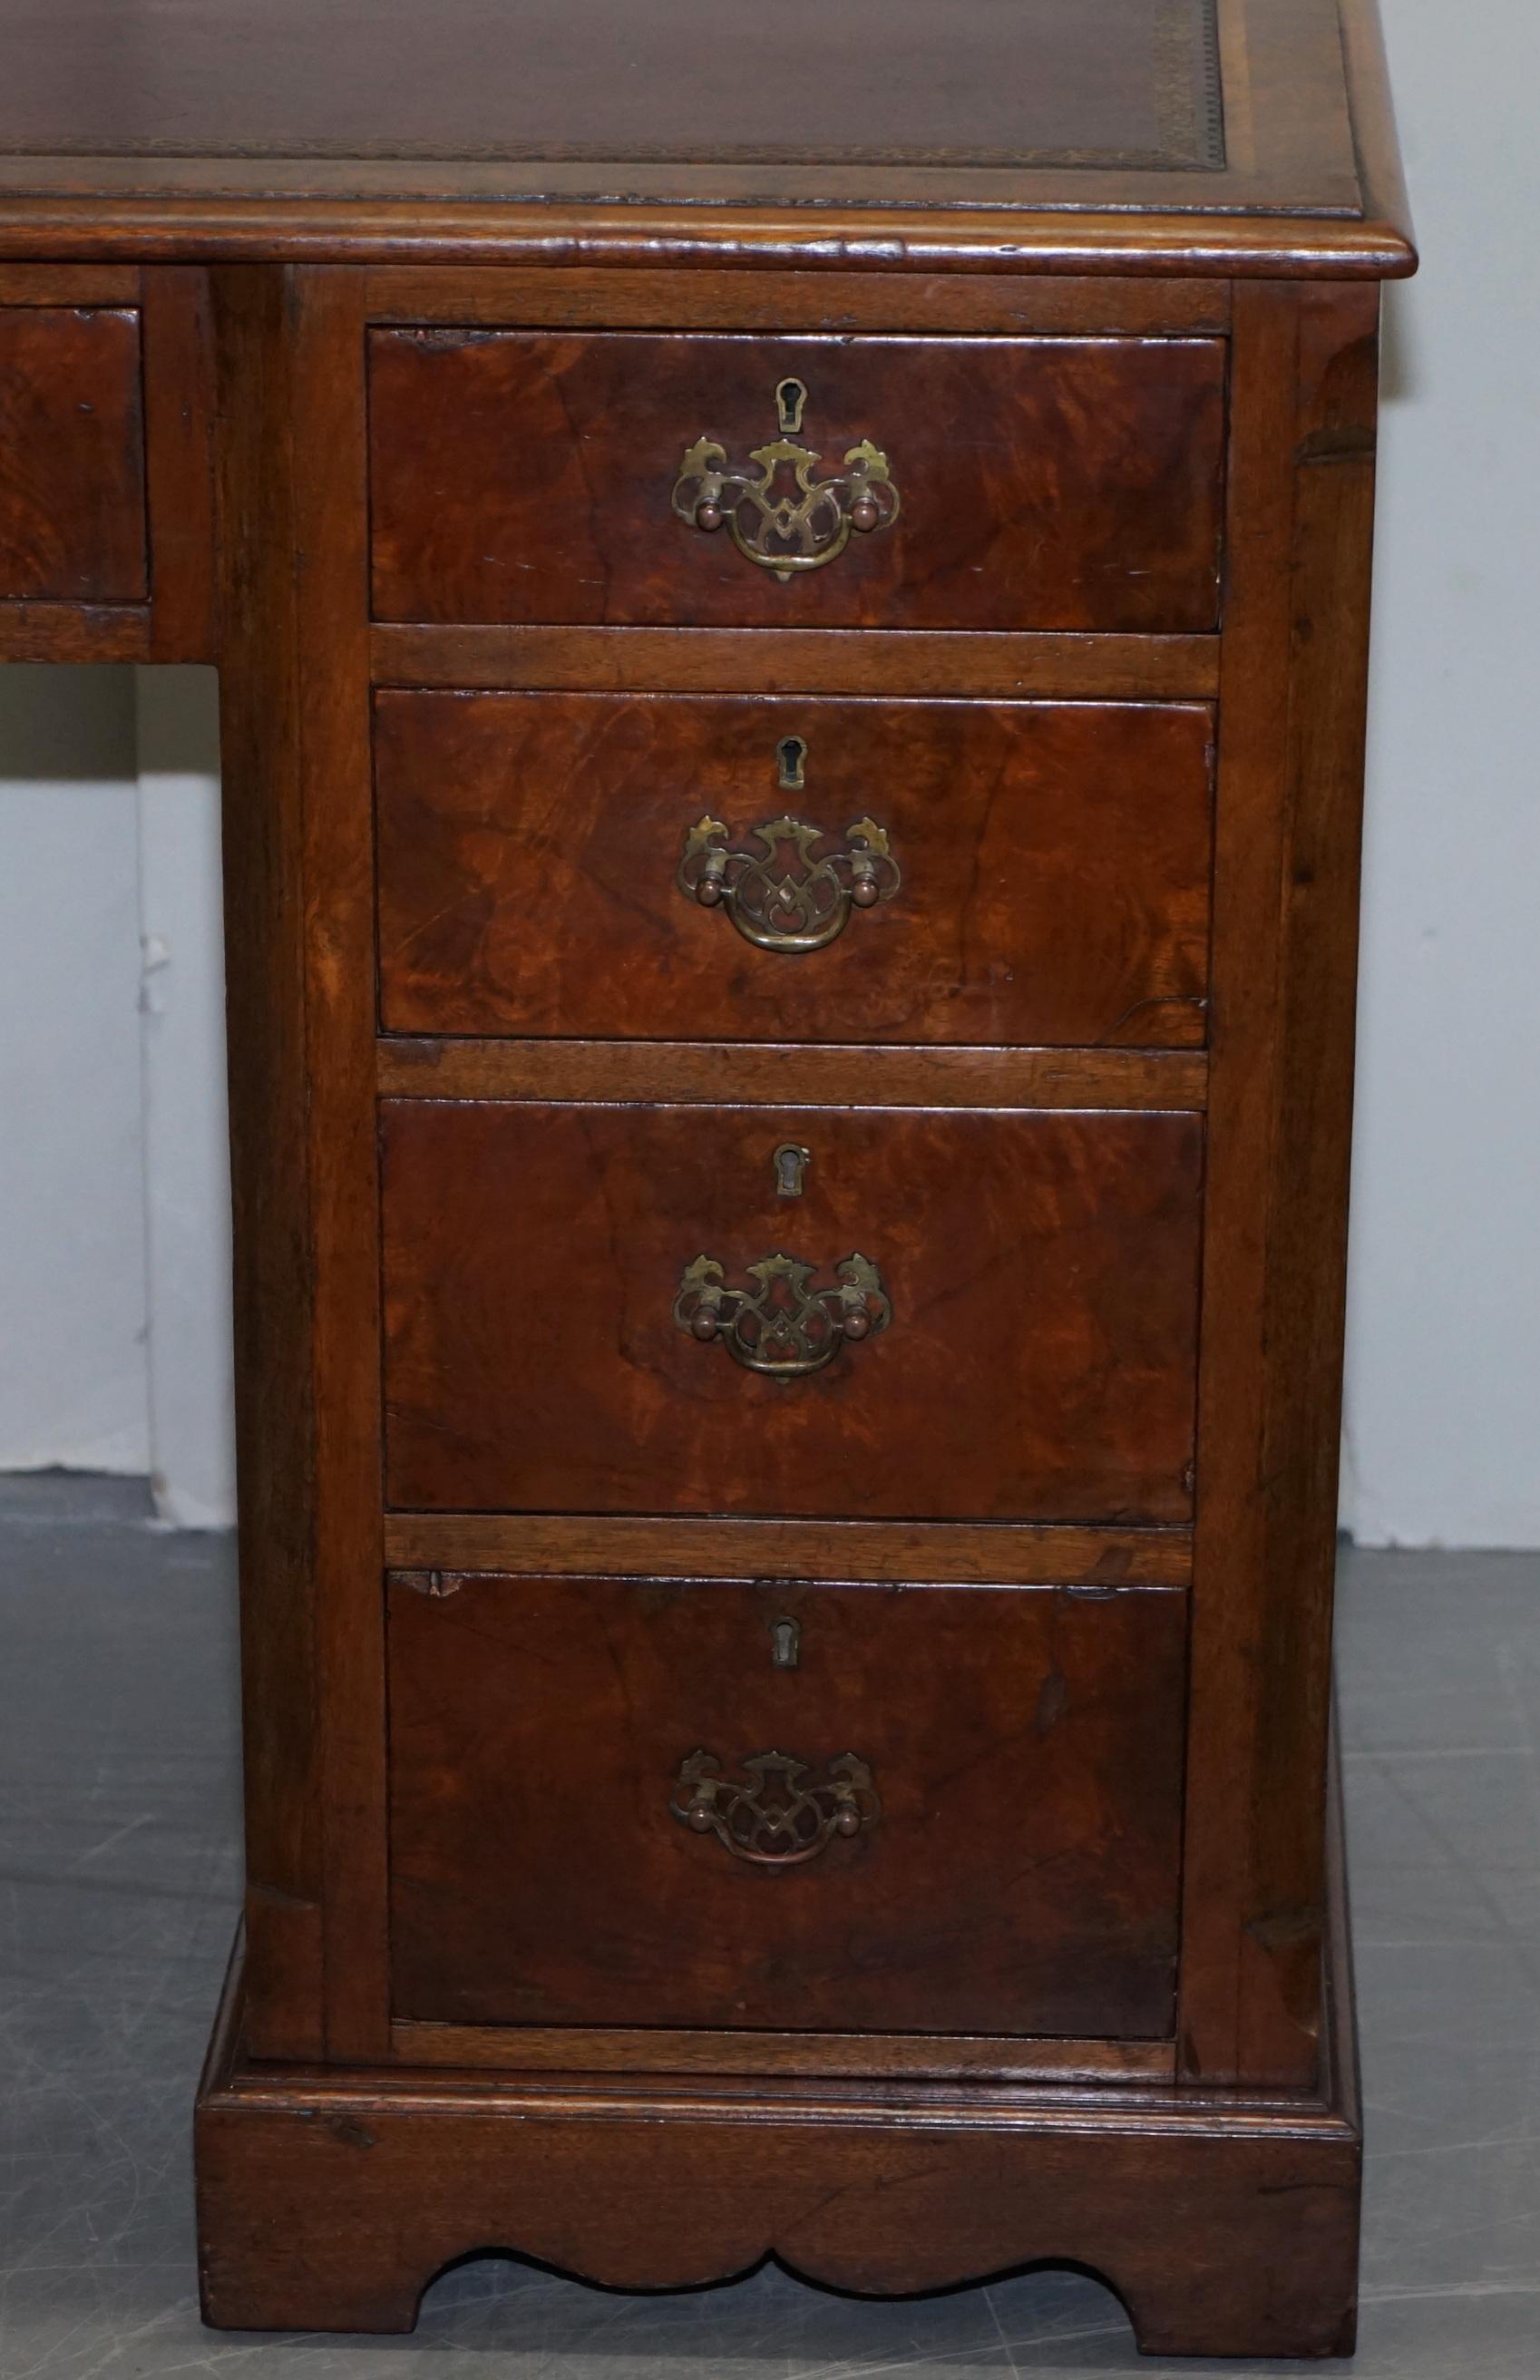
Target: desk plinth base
x,y
327,2199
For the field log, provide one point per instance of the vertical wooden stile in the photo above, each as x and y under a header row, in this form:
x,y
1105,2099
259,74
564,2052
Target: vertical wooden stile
x,y
298,864
1292,697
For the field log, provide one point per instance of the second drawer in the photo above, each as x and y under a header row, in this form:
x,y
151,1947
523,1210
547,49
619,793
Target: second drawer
x,y
687,867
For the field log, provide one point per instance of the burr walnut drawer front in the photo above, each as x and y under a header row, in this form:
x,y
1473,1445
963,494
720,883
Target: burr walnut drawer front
x,y
731,868
72,503
810,1808
804,1311
618,478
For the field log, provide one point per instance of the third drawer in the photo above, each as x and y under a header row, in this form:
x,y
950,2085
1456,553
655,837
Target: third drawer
x,y
616,1802
814,1312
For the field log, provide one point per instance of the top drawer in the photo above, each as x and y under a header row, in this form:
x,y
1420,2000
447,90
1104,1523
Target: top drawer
x,y
71,456
871,483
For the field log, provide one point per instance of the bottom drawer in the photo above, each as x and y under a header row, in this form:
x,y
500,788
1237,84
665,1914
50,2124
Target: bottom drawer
x,y
805,1808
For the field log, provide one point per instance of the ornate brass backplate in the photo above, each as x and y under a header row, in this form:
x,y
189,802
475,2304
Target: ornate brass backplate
x,y
778,514
778,889
782,1328
781,1817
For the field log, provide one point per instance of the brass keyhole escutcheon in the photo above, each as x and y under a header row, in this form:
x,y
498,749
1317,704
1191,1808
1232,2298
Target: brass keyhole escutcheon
x,y
791,399
791,764
791,1162
785,1644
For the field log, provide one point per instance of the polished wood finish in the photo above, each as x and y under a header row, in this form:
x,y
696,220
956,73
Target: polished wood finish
x,y
1306,145
1224,2220
179,430
1006,521
911,661
1381,181
72,510
1043,1271
264,960
536,1730
106,466
92,285
528,298
1001,1553
1286,924
865,1074
528,845
299,898
288,214
74,632
388,410
660,2049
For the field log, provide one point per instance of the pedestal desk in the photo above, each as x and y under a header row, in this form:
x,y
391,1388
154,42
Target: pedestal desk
x,y
790,588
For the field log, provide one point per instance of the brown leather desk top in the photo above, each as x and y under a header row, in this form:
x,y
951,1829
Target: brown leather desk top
x,y
199,128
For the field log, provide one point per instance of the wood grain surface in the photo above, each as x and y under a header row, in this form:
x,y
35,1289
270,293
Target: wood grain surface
x,y
72,514
904,662
179,430
1286,924
1226,2222
1020,1553
74,632
737,1072
298,885
666,2049
445,300
1025,1746
727,299
1054,864
1042,1269
1053,484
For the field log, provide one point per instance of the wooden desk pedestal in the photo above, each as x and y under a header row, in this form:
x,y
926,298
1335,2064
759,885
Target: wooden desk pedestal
x,y
793,630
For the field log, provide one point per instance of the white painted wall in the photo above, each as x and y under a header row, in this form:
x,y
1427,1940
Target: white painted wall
x,y
1443,1407
72,1296
114,1303
115,1298
186,1158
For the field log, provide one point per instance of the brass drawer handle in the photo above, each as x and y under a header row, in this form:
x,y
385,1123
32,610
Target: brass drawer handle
x,y
778,1818
803,526
782,1327
792,902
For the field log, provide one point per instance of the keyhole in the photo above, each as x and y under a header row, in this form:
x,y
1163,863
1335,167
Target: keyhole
x,y
785,1644
791,1165
791,763
789,398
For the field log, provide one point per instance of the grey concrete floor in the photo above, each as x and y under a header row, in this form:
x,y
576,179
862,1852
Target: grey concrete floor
x,y
118,1876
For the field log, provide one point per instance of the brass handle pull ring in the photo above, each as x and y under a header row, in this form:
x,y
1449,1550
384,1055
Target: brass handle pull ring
x,y
779,515
782,1327
780,893
783,1816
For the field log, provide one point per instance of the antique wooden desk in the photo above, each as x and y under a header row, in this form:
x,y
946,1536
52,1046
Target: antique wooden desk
x,y
791,587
